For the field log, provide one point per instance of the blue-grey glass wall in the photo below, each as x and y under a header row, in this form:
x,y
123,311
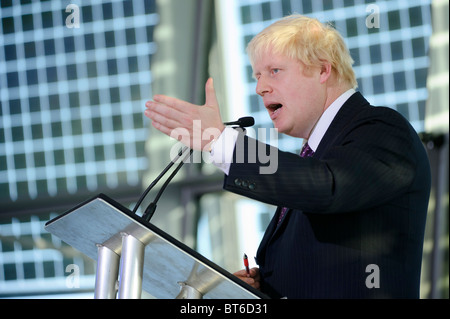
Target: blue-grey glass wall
x,y
74,78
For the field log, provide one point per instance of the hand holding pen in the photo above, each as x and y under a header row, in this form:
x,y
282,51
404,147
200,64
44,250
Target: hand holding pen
x,y
249,275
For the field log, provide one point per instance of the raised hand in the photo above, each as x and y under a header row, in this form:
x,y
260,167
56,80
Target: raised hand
x,y
194,125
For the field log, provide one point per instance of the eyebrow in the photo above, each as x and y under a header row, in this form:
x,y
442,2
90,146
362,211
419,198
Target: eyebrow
x,y
266,67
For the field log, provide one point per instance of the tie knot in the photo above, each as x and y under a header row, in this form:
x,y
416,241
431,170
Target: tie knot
x,y
306,151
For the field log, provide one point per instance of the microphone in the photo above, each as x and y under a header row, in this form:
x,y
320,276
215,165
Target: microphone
x,y
150,210
245,121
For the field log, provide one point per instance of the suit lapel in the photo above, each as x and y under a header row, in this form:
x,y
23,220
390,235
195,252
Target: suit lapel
x,y
344,117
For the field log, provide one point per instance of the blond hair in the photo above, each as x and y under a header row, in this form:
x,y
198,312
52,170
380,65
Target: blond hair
x,y
309,41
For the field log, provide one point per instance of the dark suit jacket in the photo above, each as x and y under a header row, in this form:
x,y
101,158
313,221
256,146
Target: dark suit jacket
x,y
357,213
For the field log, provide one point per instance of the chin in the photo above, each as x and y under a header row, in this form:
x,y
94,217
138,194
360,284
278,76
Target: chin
x,y
285,131
280,129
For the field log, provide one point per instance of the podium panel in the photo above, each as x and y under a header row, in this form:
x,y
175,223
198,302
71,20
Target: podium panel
x,y
170,268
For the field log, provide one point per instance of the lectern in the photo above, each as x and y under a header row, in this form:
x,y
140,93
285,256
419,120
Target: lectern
x,y
135,256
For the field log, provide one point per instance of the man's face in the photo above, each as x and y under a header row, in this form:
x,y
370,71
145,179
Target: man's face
x,y
292,93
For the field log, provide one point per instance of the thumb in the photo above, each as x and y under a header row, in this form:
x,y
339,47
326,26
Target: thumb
x,y
210,94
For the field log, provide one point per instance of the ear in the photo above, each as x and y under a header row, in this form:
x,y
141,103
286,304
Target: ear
x,y
325,71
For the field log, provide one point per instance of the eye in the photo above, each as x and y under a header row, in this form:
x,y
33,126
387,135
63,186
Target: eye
x,y
275,71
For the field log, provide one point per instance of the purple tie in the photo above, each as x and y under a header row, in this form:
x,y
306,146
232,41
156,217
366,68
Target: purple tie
x,y
306,152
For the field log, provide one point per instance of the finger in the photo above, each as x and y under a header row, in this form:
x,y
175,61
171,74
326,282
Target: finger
x,y
250,281
162,120
167,116
160,108
178,134
254,272
210,93
174,103
241,273
161,128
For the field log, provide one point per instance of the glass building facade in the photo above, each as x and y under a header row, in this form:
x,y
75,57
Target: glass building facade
x,y
71,115
74,77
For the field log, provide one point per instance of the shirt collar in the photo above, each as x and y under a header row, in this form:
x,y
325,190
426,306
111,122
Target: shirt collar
x,y
326,119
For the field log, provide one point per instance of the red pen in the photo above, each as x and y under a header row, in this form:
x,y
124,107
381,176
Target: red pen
x,y
246,264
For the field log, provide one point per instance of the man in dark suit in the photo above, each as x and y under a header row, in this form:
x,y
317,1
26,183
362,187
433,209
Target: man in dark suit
x,y
356,223
352,205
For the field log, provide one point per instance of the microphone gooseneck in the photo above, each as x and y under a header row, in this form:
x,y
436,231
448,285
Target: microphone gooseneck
x,y
150,210
164,171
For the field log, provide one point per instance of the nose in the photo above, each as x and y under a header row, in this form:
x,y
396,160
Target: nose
x,y
262,87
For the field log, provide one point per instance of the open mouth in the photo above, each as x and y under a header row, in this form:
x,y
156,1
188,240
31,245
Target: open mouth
x,y
274,108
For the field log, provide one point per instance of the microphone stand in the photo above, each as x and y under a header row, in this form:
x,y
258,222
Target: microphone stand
x,y
148,214
150,210
144,194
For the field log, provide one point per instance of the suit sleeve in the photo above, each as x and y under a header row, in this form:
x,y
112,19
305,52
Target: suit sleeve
x,y
367,165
